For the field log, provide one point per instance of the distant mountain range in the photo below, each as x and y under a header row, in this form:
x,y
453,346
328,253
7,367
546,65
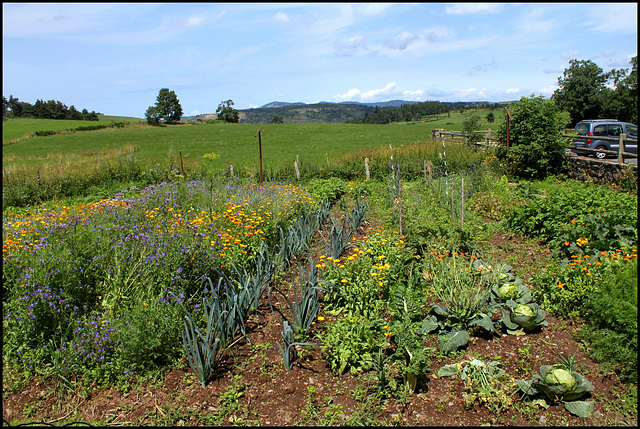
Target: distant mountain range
x,y
324,111
381,104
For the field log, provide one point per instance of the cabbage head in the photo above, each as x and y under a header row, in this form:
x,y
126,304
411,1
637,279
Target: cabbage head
x,y
560,384
523,316
561,378
508,291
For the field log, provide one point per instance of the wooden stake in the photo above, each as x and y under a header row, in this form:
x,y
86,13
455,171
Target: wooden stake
x,y
462,211
259,135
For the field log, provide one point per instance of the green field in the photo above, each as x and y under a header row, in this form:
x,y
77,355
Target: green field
x,y
314,143
19,128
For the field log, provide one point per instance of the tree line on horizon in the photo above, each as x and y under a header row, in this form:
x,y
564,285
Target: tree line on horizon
x,y
51,109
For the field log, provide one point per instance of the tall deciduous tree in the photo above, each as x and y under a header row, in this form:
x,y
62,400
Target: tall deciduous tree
x,y
226,112
622,101
166,109
580,90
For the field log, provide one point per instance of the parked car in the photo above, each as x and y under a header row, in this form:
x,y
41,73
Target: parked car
x,y
606,128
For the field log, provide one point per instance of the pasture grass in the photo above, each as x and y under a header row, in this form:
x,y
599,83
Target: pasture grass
x,y
22,128
42,168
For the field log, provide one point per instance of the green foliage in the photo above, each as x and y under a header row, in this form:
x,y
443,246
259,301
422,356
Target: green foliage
x,y
226,112
350,343
150,338
606,218
536,146
526,316
485,382
167,108
558,384
611,332
622,103
327,189
470,126
580,90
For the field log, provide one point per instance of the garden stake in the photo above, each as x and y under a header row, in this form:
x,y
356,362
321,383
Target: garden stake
x,y
259,135
462,210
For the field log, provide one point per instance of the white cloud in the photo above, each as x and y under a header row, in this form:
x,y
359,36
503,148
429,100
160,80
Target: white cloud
x,y
512,90
350,46
195,112
473,8
619,18
570,55
379,94
281,17
413,95
194,21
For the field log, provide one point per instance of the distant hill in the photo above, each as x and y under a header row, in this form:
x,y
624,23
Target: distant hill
x,y
325,111
300,112
279,104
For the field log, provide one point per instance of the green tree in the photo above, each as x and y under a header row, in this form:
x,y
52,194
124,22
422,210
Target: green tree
x,y
470,126
622,102
581,90
536,146
277,120
166,109
226,112
491,118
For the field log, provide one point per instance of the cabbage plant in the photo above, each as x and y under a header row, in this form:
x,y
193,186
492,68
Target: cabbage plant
x,y
517,317
513,290
559,384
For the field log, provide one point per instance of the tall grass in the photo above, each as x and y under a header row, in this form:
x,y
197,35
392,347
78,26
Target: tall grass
x,y
95,163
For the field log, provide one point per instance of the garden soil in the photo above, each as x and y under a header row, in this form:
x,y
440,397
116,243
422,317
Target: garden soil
x,y
252,387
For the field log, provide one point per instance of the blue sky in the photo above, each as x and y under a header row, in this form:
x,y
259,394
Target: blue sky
x,y
114,58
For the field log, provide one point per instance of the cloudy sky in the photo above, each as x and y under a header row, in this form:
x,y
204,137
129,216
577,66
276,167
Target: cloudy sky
x,y
114,58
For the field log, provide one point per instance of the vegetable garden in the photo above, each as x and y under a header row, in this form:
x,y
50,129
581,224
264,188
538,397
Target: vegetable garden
x,y
216,300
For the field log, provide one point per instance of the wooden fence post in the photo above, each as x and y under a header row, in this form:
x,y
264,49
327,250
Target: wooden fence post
x,y
295,165
366,169
621,148
259,135
181,165
231,168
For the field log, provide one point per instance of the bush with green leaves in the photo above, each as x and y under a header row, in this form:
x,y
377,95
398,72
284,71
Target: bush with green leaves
x,y
607,219
536,146
611,331
327,189
564,286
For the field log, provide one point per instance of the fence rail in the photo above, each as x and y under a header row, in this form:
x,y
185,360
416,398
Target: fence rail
x,y
489,140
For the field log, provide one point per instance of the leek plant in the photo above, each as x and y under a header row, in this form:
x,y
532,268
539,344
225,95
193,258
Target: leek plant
x,y
339,237
224,318
288,349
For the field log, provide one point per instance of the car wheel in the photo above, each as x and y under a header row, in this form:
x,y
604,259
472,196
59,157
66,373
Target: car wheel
x,y
601,155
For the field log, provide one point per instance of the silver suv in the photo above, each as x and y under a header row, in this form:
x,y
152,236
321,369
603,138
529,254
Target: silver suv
x,y
606,128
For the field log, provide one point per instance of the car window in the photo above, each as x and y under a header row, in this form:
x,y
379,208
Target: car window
x,y
632,130
615,130
600,130
582,129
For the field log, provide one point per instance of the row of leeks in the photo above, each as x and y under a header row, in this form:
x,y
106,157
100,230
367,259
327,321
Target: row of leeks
x,y
237,296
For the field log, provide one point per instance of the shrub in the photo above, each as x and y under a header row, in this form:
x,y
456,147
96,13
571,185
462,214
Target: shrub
x,y
536,146
611,333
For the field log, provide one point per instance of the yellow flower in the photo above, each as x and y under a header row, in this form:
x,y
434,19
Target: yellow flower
x,y
344,281
320,318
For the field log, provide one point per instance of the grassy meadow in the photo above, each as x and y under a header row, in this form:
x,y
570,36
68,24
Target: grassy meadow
x,y
107,156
